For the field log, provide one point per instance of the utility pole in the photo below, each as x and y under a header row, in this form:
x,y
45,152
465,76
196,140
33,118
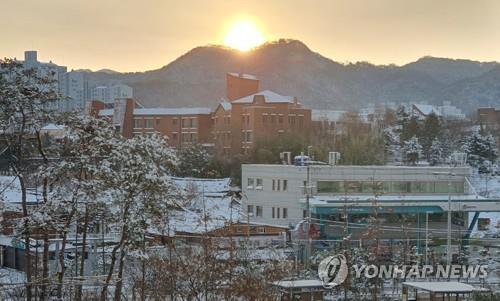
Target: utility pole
x,y
448,242
448,238
308,210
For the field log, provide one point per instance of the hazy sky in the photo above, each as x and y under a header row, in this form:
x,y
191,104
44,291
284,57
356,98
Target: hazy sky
x,y
133,35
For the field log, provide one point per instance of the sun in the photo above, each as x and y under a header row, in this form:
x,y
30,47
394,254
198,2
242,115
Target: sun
x,y
244,35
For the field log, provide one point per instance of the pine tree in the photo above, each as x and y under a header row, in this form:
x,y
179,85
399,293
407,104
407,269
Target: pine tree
x,y
435,152
481,151
430,131
194,161
412,150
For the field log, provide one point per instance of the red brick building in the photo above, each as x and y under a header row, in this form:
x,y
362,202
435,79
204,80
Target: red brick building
x,y
180,125
233,128
489,117
250,115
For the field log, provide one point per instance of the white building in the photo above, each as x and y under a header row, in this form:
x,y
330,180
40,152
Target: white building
x,y
76,90
275,194
46,69
108,93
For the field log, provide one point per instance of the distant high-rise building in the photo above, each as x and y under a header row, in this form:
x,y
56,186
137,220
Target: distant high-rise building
x,y
108,93
76,90
50,69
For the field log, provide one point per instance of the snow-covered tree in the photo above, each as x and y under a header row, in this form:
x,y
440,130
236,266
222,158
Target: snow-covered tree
x,y
137,173
26,105
481,151
436,152
193,162
392,145
412,150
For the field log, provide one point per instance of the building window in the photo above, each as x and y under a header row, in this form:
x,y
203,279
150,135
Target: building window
x,y
148,123
304,213
273,119
158,121
250,183
264,118
259,185
278,212
258,211
279,184
285,212
280,119
174,136
285,185
248,136
250,209
261,229
194,122
274,184
174,121
272,212
137,123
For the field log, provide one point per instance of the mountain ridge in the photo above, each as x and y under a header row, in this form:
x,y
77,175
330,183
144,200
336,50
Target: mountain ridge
x,y
290,67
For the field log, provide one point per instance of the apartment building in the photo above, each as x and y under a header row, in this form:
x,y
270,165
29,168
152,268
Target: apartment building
x,y
181,126
347,195
249,115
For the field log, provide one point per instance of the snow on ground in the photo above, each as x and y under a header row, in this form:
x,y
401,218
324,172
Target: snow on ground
x,y
208,197
488,186
11,276
10,191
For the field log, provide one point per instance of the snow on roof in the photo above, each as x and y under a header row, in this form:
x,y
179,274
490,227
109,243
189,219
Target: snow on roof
x,y
441,286
243,75
204,185
106,112
323,200
327,115
207,196
269,96
53,127
172,111
219,212
427,109
226,105
10,191
309,283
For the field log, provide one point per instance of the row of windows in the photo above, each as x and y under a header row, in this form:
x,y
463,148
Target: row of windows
x,y
145,123
189,137
258,210
148,123
280,185
225,119
258,184
254,183
389,187
276,212
190,122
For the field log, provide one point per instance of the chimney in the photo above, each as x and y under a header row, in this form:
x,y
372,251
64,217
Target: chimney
x,y
238,85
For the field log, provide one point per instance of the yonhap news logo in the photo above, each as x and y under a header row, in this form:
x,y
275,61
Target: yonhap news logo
x,y
333,270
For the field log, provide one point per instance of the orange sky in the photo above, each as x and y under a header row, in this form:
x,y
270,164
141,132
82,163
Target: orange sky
x,y
132,35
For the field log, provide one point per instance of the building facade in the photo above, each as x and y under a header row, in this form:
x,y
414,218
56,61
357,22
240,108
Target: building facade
x,y
250,115
181,126
341,195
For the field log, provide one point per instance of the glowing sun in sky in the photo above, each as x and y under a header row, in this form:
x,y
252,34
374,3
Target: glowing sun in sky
x,y
243,35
